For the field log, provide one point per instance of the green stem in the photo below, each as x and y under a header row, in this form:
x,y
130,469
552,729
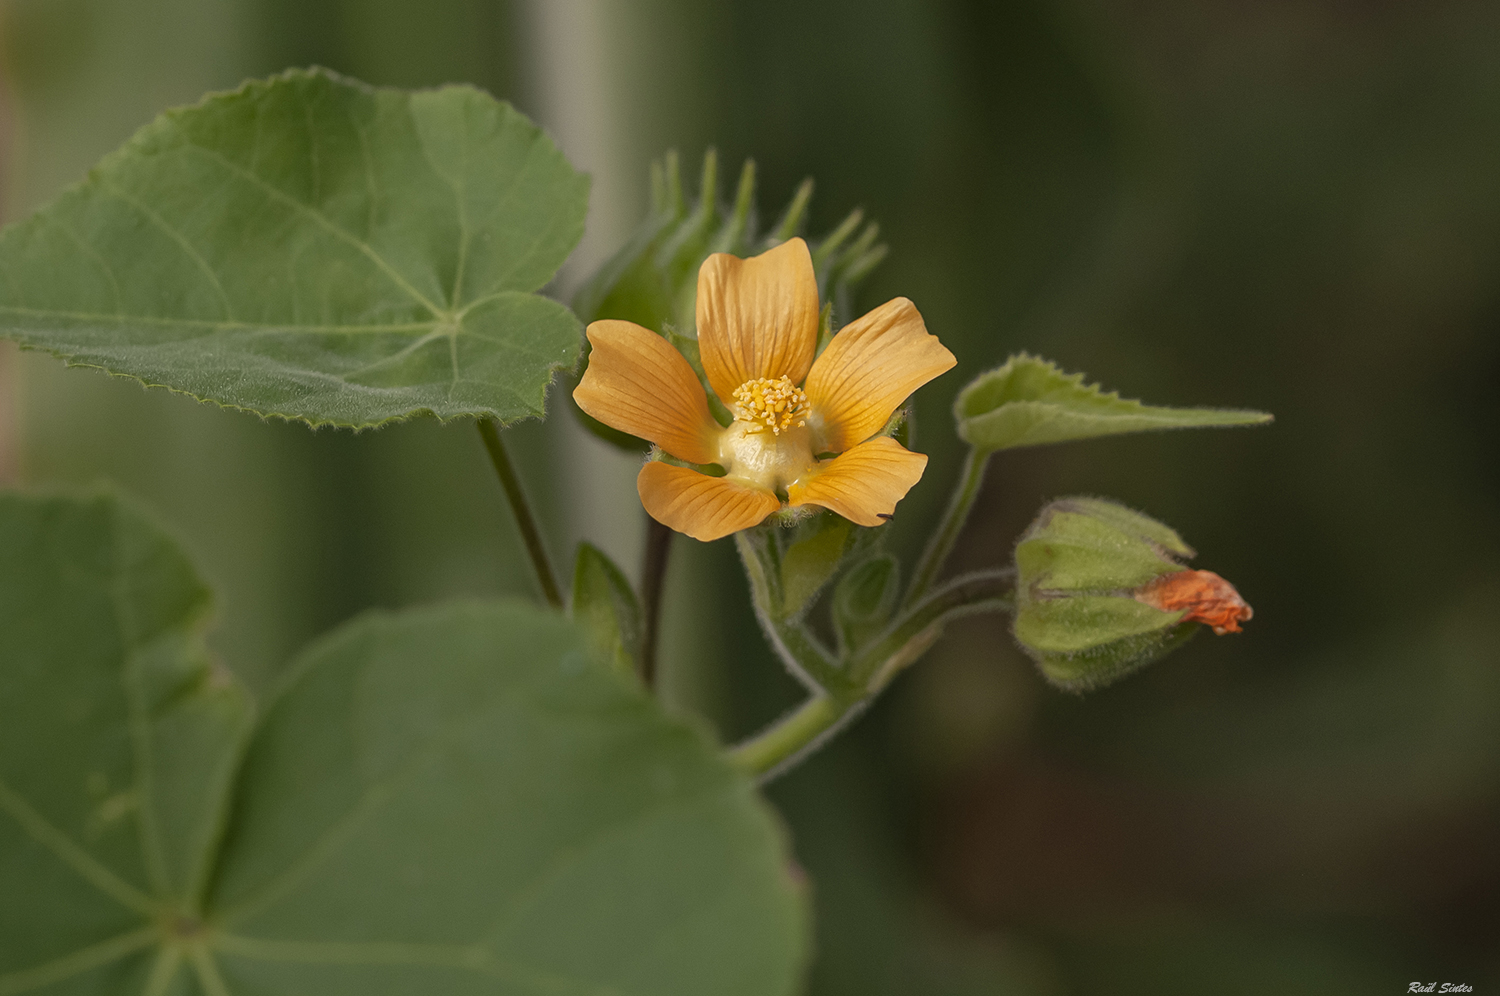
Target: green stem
x,y
798,734
918,627
525,522
798,649
781,745
653,577
941,543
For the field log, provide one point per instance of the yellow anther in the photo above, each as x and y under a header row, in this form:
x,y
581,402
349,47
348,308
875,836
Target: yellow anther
x,y
777,405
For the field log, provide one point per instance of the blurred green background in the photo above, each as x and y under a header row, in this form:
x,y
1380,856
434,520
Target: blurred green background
x,y
1285,205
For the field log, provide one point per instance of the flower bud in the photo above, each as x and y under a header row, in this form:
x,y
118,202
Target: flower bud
x,y
1101,592
864,600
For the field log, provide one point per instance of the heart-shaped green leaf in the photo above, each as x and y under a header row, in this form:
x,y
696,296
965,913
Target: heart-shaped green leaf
x,y
460,800
311,248
1029,402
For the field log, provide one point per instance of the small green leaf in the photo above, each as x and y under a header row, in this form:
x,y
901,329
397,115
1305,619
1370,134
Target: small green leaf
x,y
604,602
311,248
1030,402
453,802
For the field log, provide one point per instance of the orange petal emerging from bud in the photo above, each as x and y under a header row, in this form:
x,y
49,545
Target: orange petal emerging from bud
x,y
1207,598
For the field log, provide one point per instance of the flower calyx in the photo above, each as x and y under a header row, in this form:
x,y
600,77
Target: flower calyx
x,y
1101,591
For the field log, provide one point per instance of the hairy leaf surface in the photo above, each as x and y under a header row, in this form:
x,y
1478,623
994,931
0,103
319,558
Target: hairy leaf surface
x,y
459,800
312,248
1029,402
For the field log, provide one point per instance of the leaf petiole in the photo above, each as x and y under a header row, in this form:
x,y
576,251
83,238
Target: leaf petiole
x,y
525,521
946,534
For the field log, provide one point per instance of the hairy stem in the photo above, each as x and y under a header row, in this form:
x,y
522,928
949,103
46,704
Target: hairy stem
x,y
798,734
525,522
801,652
917,628
653,577
941,543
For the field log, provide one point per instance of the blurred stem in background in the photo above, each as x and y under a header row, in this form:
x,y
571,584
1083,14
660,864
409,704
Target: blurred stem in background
x,y
580,85
9,449
653,583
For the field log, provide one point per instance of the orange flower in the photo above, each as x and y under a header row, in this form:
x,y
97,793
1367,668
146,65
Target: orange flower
x,y
757,333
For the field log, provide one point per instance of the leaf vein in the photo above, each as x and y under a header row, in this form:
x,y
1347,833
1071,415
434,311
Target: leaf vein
x,y
322,220
60,969
39,829
374,796
91,252
217,326
176,236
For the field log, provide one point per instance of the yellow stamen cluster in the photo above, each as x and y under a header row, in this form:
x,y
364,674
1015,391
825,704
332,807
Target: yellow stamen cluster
x,y
777,405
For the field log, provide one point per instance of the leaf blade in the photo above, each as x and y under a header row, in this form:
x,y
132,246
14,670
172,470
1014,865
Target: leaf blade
x,y
1029,401
456,801
118,737
265,248
603,849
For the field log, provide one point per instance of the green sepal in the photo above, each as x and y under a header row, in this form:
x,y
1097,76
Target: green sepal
x,y
810,557
902,425
606,606
1029,401
825,327
1078,567
1090,545
1092,667
864,599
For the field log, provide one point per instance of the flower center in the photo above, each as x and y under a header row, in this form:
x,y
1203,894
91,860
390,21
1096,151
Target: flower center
x,y
777,404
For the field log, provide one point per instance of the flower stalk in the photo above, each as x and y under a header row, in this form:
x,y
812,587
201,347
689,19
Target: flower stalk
x,y
802,653
971,478
860,678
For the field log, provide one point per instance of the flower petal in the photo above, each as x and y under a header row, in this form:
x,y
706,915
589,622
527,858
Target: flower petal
x,y
704,507
637,383
864,483
757,317
872,365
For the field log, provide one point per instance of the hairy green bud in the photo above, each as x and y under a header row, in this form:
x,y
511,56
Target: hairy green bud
x,y
1101,591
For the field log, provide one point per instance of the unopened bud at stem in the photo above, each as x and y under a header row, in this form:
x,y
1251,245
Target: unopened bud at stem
x,y
1101,591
